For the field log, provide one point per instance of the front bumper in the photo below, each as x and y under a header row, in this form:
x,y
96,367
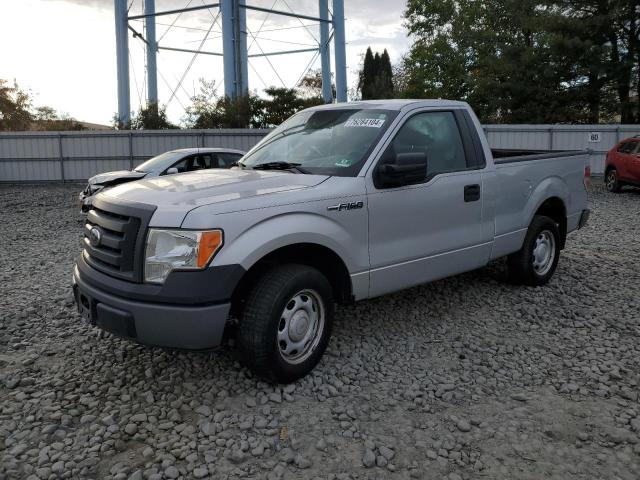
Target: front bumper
x,y
175,325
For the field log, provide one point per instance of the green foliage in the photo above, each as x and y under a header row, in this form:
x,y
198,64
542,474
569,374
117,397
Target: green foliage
x,y
376,77
15,107
17,113
310,86
280,105
525,61
151,117
209,111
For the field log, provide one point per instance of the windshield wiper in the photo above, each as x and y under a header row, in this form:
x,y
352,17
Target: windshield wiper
x,y
278,166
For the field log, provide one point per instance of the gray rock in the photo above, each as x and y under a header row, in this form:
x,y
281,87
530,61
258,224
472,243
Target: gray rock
x,y
369,458
200,472
463,426
131,428
171,472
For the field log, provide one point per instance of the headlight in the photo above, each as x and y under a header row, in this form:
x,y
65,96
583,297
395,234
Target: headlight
x,y
169,250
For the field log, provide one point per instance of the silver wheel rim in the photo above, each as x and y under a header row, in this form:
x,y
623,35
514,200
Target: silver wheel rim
x,y
611,180
544,252
301,326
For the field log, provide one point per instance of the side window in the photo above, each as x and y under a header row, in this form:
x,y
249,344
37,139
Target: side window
x,y
636,148
437,135
227,159
200,162
626,147
181,165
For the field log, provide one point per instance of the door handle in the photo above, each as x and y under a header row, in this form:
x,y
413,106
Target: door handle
x,y
472,193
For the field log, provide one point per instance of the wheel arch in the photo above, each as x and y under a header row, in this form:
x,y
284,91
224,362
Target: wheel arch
x,y
314,255
555,208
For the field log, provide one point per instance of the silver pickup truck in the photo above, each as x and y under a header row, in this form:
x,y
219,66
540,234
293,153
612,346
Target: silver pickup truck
x,y
340,203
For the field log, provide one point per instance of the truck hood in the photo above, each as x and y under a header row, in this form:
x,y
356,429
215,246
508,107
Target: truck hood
x,y
113,178
176,195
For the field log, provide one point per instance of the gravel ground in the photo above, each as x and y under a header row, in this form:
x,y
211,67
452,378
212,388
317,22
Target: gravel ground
x,y
469,377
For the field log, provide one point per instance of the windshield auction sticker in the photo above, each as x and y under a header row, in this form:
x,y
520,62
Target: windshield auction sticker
x,y
364,122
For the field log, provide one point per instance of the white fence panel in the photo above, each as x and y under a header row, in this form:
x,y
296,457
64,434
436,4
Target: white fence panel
x,y
65,156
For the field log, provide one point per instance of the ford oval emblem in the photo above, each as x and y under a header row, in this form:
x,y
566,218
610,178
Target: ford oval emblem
x,y
94,236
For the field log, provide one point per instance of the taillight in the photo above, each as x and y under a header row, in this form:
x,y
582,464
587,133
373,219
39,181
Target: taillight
x,y
586,179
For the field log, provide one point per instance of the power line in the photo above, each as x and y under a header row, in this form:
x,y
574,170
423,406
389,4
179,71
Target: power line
x,y
174,21
267,59
185,27
300,20
261,25
286,41
169,87
287,28
193,59
307,68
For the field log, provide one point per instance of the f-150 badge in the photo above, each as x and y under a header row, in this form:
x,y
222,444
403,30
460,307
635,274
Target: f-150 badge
x,y
346,206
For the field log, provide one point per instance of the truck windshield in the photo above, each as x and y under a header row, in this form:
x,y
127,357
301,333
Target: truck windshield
x,y
159,163
326,142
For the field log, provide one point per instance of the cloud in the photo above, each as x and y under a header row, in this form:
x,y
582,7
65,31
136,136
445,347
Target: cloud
x,y
80,41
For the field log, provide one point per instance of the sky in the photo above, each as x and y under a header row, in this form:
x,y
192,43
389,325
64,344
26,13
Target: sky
x,y
63,51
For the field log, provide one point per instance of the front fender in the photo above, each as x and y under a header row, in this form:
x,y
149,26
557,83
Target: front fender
x,y
289,229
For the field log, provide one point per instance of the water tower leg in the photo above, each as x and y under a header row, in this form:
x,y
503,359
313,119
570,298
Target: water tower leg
x,y
122,61
325,55
228,48
152,48
340,53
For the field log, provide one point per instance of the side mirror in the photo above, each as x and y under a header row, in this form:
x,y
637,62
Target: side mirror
x,y
408,168
172,170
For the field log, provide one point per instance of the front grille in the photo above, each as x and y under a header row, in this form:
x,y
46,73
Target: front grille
x,y
114,252
120,227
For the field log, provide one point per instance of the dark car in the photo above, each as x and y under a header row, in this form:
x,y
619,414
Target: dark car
x,y
168,163
623,165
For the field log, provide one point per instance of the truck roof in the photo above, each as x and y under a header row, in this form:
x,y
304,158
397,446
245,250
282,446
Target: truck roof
x,y
394,104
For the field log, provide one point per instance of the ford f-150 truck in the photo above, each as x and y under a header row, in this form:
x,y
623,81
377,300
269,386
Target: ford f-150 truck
x,y
340,203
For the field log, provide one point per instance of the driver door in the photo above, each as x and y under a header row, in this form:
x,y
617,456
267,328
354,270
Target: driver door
x,y
433,229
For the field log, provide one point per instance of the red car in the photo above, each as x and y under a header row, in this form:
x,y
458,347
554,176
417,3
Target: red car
x,y
623,164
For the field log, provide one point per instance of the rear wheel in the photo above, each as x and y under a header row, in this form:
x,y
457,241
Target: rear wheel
x,y
535,263
286,322
611,181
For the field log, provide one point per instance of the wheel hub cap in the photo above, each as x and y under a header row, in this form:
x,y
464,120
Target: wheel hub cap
x,y
544,252
301,326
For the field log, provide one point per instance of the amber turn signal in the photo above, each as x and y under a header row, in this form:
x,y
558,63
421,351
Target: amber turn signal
x,y
210,243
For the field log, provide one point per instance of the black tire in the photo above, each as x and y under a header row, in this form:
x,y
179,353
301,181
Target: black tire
x,y
611,181
261,332
524,266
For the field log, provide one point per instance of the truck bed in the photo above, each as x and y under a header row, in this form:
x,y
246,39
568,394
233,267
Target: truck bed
x,y
501,156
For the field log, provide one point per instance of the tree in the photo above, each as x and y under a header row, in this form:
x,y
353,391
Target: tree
x,y
151,117
15,107
609,31
310,86
209,111
525,60
376,76
280,105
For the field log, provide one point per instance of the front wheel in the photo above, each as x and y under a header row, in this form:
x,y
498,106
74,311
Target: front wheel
x,y
286,322
535,263
611,181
